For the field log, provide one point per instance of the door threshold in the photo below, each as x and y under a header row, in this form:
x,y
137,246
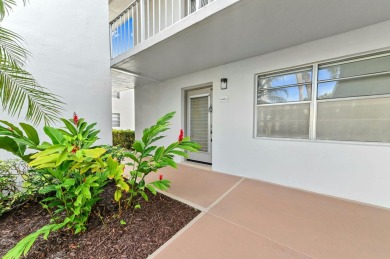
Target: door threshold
x,y
202,166
199,162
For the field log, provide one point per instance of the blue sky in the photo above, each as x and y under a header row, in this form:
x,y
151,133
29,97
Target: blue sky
x,y
122,38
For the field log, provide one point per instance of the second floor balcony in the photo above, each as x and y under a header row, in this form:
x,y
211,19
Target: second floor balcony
x,y
143,19
156,40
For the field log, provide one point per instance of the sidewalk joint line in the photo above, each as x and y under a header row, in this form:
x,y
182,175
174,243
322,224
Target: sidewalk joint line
x,y
259,234
225,194
187,202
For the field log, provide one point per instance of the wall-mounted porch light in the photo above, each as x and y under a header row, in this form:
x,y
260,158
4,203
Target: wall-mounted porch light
x,y
223,83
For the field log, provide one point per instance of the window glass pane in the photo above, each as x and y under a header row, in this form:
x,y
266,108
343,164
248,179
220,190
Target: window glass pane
x,y
199,121
363,67
354,120
302,77
373,85
283,121
287,94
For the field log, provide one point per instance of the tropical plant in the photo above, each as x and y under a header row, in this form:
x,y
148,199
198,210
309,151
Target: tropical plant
x,y
147,158
18,141
18,88
77,173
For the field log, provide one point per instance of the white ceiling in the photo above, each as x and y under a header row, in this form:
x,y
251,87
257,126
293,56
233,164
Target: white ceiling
x,y
250,28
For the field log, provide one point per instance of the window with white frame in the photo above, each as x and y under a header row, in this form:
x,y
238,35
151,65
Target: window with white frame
x,y
116,120
350,101
283,104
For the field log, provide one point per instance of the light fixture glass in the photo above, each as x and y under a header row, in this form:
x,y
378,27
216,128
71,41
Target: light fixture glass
x,y
223,83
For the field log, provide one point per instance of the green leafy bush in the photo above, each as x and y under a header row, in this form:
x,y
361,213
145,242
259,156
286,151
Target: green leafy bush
x,y
123,138
116,152
17,183
9,190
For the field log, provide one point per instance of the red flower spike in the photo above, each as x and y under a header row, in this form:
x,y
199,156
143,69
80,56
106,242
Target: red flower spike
x,y
161,177
181,136
74,149
75,118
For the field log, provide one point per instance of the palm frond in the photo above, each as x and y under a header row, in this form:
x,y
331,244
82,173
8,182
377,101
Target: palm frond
x,y
10,47
6,7
18,88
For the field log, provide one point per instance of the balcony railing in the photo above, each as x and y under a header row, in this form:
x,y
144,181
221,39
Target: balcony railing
x,y
145,18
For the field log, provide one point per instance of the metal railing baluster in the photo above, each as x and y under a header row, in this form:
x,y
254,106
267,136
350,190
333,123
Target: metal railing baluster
x,y
138,25
166,14
110,31
128,30
154,18
148,17
132,25
120,34
143,21
173,12
159,15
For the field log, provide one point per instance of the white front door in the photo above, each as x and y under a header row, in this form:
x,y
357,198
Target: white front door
x,y
199,118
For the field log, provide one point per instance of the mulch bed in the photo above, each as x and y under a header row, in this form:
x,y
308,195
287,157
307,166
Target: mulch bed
x,y
145,229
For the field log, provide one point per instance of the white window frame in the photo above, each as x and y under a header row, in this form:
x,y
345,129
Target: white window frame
x,y
314,101
283,72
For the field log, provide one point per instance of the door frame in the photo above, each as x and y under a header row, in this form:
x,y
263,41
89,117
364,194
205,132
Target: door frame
x,y
184,119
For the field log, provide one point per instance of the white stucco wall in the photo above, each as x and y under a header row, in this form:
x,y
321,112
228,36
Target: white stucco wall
x,y
125,107
358,172
69,43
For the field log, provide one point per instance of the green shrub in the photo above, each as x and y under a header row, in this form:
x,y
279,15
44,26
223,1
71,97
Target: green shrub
x,y
116,152
17,183
123,138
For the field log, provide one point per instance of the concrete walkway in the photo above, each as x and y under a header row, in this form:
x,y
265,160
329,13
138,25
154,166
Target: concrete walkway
x,y
243,218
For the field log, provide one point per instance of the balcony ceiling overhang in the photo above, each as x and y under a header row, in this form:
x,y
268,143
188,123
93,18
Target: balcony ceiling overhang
x,y
116,7
245,29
